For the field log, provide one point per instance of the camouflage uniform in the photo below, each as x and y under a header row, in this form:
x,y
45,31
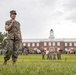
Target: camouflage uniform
x,y
43,54
50,55
58,55
13,41
54,55
47,52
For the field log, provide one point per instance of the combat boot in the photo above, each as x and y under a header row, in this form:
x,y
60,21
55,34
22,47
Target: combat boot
x,y
5,62
14,62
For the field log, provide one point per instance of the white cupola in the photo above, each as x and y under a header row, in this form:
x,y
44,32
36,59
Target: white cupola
x,y
51,34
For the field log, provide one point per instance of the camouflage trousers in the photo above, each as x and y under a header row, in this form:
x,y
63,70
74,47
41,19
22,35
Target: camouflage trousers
x,y
43,55
12,50
59,55
50,56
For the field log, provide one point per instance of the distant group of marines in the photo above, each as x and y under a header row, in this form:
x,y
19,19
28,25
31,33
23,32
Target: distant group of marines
x,y
51,54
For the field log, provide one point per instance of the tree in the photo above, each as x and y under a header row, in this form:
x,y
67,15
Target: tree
x,y
2,35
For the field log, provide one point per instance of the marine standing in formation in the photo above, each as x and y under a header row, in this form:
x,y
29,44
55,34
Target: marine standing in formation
x,y
14,38
43,53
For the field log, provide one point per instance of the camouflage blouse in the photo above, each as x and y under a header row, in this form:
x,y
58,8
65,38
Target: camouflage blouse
x,y
14,32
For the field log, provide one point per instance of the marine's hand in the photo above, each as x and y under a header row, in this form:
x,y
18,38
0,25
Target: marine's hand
x,y
13,21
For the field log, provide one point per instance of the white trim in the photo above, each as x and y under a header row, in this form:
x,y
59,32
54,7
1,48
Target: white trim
x,y
51,40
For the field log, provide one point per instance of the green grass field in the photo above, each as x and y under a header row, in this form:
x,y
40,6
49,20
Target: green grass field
x,y
34,65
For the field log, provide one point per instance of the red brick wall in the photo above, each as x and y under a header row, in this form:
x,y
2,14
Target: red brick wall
x,y
41,44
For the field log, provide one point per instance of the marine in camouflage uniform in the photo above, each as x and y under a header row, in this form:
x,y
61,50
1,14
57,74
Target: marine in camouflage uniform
x,y
13,38
59,55
43,53
50,55
54,54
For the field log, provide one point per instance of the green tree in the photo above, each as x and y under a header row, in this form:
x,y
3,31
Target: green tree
x,y
2,35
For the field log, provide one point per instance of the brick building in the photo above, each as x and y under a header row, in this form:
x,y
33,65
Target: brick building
x,y
51,42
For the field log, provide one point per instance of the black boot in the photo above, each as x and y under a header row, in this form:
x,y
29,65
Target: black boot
x,y
5,62
14,62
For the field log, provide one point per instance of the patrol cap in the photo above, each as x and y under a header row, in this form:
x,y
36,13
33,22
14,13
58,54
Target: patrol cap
x,y
13,12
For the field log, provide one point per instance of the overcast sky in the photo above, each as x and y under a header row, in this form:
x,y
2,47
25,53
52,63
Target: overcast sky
x,y
37,17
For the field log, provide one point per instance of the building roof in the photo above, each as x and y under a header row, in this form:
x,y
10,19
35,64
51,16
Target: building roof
x,y
51,40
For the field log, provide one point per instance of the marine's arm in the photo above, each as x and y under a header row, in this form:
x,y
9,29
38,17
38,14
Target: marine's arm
x,y
21,37
9,27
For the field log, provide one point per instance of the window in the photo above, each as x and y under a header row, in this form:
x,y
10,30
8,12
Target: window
x,y
24,44
58,49
49,43
28,44
33,44
53,43
74,44
58,43
45,44
66,44
70,44
37,44
45,48
66,49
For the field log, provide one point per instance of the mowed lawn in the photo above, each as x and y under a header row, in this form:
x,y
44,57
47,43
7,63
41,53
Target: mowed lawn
x,y
32,64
